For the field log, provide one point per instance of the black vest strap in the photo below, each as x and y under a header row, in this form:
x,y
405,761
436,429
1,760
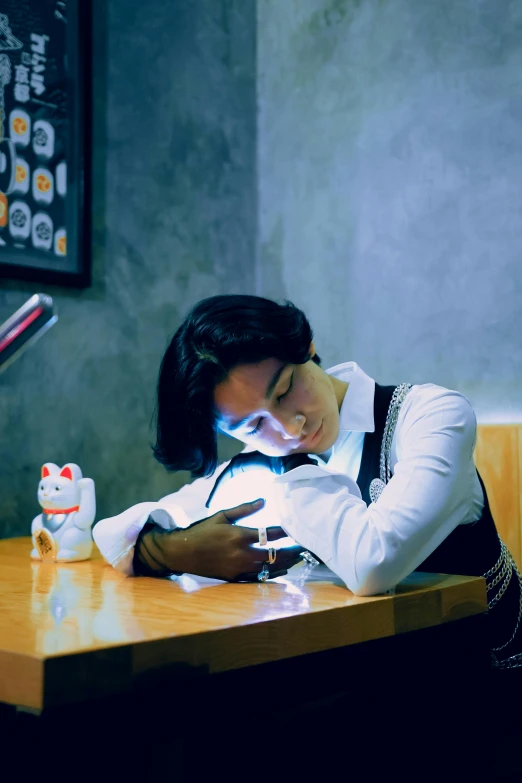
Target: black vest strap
x,y
470,549
370,461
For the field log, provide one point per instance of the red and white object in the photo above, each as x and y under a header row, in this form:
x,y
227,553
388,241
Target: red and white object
x,y
24,327
62,532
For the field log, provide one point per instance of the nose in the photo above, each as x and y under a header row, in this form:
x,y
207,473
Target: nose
x,y
291,426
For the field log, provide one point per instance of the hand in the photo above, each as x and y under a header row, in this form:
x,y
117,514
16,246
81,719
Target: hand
x,y
217,548
85,483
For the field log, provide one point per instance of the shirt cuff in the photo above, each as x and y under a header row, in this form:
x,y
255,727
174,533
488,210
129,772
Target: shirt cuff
x,y
305,472
309,500
116,536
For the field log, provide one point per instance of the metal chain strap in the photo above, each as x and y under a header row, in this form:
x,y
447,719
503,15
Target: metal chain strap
x,y
503,571
505,565
499,561
512,568
493,601
389,428
513,662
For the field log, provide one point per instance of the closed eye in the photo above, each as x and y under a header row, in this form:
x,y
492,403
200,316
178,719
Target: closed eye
x,y
259,424
256,428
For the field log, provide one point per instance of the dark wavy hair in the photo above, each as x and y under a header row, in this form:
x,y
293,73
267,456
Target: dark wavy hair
x,y
218,334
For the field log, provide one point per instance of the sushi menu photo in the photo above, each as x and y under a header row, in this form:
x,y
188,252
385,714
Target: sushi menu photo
x,y
43,141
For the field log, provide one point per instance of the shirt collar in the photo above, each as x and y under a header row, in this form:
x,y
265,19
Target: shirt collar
x,y
356,414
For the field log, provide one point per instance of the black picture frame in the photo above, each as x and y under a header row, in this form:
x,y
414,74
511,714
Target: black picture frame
x,y
45,120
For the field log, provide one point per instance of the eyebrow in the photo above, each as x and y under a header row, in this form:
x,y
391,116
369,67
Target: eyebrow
x,y
269,391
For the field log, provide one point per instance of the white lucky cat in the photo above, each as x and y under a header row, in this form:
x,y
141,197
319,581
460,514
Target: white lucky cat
x,y
62,531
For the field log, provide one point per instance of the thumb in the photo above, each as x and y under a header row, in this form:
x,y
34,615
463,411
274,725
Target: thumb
x,y
244,510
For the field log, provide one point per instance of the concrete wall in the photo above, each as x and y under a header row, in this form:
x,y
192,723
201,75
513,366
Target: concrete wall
x,y
390,163
174,213
382,194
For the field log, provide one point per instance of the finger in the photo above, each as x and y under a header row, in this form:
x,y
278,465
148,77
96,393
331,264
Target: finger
x,y
274,569
253,576
285,560
260,554
288,563
251,534
291,554
273,533
244,510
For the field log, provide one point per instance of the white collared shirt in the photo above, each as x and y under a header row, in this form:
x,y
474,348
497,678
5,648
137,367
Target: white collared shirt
x,y
355,418
433,489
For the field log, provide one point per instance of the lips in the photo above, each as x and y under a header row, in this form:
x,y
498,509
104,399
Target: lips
x,y
318,434
311,441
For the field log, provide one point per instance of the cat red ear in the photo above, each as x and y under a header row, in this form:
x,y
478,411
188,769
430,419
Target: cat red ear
x,y
66,473
45,471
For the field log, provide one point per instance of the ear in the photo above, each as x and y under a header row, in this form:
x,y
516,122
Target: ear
x,y
71,471
312,350
49,468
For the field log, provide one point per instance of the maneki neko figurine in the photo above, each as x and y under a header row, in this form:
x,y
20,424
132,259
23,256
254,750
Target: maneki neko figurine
x,y
62,532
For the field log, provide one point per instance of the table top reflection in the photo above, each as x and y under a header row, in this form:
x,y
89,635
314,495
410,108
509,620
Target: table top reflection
x,y
64,627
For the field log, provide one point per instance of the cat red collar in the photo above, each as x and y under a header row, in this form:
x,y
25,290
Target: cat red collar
x,y
60,510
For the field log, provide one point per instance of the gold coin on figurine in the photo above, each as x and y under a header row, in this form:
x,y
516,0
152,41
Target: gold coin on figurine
x,y
45,545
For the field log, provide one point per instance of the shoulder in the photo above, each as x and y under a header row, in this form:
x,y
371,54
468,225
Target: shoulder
x,y
436,406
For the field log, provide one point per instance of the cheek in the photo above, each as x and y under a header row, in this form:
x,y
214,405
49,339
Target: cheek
x,y
316,391
328,397
269,443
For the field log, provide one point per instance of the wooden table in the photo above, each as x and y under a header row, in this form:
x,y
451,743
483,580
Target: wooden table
x,y
77,639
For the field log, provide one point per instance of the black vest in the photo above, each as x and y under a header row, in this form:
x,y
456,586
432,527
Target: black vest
x,y
470,550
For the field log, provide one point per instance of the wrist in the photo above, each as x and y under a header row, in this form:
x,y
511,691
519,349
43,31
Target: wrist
x,y
155,554
175,545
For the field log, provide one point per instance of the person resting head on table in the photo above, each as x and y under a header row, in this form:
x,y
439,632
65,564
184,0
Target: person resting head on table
x,y
376,481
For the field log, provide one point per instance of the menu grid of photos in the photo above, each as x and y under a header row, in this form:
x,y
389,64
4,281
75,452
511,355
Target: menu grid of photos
x,y
42,113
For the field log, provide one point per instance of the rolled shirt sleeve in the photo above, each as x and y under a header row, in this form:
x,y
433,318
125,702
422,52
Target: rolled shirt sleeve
x,y
116,536
431,491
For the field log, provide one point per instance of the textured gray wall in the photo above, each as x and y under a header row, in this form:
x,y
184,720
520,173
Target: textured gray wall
x,y
389,159
174,220
390,198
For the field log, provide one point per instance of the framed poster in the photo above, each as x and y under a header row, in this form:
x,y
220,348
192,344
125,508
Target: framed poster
x,y
44,121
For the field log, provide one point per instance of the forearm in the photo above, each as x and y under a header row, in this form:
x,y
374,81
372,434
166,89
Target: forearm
x,y
156,553
116,536
428,496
